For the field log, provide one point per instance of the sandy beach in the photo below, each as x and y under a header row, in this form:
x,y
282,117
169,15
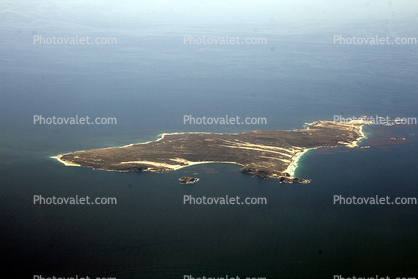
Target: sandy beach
x,y
178,163
58,157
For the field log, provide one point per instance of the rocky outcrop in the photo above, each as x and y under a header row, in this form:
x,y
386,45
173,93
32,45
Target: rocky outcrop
x,y
188,180
282,177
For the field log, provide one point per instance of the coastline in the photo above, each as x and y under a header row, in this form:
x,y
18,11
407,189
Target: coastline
x,y
362,136
159,137
175,163
58,158
174,167
291,168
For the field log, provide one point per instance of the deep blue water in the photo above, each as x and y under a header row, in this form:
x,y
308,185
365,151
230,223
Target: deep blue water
x,y
149,81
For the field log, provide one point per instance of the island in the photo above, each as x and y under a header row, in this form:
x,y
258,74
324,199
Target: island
x,y
188,180
263,153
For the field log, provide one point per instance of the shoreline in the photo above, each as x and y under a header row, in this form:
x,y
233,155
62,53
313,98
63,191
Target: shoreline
x,y
290,168
159,137
58,158
362,136
174,167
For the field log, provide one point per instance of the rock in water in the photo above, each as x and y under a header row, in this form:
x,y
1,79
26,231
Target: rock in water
x,y
188,180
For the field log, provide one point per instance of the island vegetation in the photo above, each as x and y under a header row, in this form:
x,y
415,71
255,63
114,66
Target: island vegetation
x,y
265,154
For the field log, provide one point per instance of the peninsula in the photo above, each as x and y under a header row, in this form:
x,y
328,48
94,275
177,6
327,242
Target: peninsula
x,y
266,154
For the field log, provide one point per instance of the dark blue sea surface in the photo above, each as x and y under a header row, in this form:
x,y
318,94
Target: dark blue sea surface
x,y
149,81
